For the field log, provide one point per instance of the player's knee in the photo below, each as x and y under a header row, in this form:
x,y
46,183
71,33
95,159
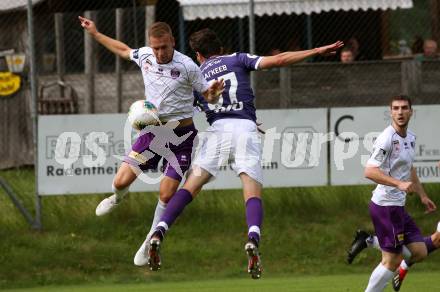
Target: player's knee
x,y
165,196
119,183
436,239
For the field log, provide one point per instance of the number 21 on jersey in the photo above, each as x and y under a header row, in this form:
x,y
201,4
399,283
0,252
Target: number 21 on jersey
x,y
230,92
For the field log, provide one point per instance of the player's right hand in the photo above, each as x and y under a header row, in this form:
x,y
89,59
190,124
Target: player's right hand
x,y
429,205
405,186
330,49
88,25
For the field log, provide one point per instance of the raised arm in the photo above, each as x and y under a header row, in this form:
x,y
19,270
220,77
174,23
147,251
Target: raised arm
x,y
418,188
289,58
115,46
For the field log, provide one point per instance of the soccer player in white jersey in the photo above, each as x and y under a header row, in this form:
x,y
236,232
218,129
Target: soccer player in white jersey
x,y
170,79
232,134
391,167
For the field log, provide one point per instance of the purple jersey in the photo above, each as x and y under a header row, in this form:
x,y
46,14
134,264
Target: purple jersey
x,y
237,100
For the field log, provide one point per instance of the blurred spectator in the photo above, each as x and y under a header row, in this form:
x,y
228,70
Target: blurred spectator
x,y
404,49
347,55
429,51
353,45
417,45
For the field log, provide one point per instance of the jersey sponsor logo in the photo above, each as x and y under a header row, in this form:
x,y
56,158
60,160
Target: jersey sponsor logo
x,y
231,107
136,54
138,157
380,156
159,71
174,73
147,65
396,146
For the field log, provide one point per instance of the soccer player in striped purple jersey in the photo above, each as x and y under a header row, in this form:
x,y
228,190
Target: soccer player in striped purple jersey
x,y
232,135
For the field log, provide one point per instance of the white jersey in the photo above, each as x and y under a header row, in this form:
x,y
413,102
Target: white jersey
x,y
394,155
170,86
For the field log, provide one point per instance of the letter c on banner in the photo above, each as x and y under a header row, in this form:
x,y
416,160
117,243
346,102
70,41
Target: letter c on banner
x,y
350,117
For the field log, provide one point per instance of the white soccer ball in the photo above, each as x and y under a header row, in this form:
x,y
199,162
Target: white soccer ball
x,y
142,113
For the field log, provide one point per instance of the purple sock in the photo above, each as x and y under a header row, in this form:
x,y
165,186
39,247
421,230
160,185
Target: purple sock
x,y
429,245
254,217
174,208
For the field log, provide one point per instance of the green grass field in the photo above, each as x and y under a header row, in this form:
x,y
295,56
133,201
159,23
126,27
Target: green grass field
x,y
306,232
418,282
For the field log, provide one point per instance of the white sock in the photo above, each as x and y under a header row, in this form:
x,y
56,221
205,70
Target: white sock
x,y
403,265
438,227
160,209
406,253
120,193
379,279
374,243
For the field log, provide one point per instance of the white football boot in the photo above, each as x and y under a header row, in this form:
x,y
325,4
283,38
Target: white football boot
x,y
141,256
107,205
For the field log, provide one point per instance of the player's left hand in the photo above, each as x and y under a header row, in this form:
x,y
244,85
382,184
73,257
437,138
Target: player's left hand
x,y
330,49
218,86
429,205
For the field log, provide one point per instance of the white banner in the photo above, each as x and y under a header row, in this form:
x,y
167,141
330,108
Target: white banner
x,y
356,128
293,154
81,153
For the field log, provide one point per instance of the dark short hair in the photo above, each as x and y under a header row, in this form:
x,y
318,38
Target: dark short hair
x,y
206,43
401,97
159,29
347,49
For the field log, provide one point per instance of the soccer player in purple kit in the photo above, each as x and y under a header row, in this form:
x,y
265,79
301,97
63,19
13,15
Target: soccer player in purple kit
x,y
232,134
391,167
170,78
363,240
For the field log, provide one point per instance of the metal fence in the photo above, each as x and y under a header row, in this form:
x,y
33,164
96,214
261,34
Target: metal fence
x,y
76,75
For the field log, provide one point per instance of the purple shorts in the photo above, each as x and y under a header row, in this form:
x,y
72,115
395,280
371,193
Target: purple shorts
x,y
147,159
394,227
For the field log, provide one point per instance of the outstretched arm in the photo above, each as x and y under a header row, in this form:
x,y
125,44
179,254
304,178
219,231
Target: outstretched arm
x,y
289,58
418,188
115,46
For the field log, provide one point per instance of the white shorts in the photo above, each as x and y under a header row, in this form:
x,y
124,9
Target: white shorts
x,y
231,140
